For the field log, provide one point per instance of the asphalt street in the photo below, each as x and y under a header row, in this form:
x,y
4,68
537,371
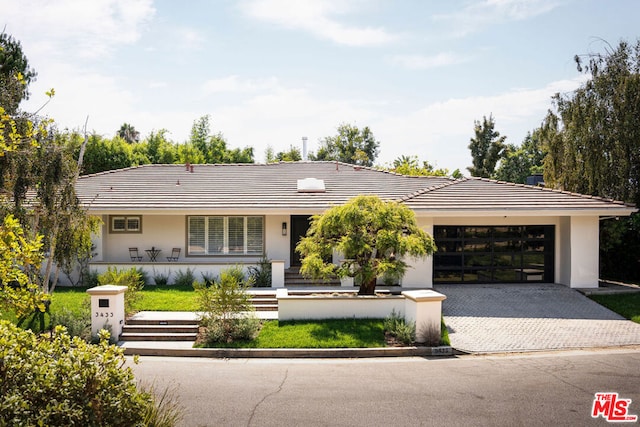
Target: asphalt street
x,y
534,389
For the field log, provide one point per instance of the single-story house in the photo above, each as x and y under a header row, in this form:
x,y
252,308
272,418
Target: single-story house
x,y
229,214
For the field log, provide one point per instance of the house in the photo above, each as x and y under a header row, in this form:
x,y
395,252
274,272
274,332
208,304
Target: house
x,y
233,214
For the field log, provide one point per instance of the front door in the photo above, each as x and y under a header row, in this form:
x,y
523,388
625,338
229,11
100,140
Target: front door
x,y
299,227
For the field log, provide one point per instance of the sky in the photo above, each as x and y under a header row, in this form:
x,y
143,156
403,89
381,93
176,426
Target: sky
x,y
418,73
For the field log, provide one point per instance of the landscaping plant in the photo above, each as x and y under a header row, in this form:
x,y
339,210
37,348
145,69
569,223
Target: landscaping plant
x,y
261,273
131,278
372,235
57,380
228,314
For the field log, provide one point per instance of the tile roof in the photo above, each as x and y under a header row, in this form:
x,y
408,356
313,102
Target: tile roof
x,y
273,187
479,194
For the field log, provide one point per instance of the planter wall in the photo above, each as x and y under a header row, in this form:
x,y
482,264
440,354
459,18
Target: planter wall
x,y
291,307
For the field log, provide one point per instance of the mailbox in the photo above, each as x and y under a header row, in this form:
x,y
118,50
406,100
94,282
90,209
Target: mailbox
x,y
107,309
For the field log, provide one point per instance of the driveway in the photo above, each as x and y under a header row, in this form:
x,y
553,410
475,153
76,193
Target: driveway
x,y
526,317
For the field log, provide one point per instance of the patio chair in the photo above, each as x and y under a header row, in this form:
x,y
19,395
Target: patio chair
x,y
175,254
133,253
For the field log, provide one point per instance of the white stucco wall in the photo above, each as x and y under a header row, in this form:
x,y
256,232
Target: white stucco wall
x,y
277,245
420,272
579,252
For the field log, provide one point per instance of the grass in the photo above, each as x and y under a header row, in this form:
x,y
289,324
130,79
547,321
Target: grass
x,y
626,305
331,333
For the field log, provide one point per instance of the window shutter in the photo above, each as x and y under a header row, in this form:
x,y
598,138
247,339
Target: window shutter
x,y
236,234
254,234
196,235
215,235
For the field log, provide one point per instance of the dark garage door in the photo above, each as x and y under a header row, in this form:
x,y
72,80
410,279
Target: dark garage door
x,y
490,254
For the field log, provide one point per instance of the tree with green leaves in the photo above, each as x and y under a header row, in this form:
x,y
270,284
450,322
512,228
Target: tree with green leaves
x,y
15,74
292,155
213,148
410,165
128,133
372,235
518,163
349,145
20,260
103,154
486,148
593,144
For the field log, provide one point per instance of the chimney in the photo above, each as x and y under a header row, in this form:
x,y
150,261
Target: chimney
x,y
304,148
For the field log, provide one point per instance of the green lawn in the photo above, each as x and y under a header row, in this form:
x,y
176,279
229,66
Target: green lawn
x,y
627,305
332,333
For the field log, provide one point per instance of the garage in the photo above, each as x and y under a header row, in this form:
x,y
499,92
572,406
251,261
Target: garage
x,y
494,254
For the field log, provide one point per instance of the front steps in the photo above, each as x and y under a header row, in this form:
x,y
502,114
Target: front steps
x,y
168,329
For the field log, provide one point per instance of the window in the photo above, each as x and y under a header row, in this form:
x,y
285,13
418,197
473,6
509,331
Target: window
x,y
225,235
125,224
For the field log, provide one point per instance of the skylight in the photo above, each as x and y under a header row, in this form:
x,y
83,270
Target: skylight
x,y
311,185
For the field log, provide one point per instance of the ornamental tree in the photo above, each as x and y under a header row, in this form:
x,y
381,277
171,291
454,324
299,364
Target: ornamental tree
x,y
372,235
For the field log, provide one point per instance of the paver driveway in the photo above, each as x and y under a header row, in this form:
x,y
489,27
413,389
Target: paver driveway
x,y
525,317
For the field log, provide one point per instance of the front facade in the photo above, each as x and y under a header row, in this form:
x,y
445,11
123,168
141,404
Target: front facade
x,y
208,217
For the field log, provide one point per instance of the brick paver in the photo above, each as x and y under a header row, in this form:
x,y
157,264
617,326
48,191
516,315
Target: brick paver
x,y
525,317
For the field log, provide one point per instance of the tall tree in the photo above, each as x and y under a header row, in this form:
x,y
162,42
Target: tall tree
x,y
486,148
212,148
292,155
372,235
350,145
128,133
593,144
596,149
15,74
410,165
518,163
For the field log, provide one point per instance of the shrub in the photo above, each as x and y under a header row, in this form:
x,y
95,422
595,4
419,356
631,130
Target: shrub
x,y
59,380
261,273
399,328
184,278
227,310
76,324
130,278
90,279
208,279
161,279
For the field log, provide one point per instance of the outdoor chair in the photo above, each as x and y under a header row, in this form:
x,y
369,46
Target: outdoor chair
x,y
133,253
175,254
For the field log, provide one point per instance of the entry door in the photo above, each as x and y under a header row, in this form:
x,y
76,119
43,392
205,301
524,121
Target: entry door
x,y
299,227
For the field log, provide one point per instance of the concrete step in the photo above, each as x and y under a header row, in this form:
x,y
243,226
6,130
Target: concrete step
x,y
161,322
160,329
139,336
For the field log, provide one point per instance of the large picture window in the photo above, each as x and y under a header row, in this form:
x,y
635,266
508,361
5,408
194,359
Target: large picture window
x,y
479,254
225,235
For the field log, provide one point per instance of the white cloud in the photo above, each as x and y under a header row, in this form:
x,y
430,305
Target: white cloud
x,y
236,84
318,18
480,14
421,62
86,29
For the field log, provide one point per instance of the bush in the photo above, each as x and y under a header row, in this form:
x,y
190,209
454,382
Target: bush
x,y
227,310
130,278
161,279
77,325
208,279
399,328
59,380
90,279
261,273
185,279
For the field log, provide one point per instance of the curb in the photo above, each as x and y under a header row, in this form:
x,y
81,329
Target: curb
x,y
294,353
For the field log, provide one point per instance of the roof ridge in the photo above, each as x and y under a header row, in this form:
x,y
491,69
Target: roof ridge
x,y
430,189
554,190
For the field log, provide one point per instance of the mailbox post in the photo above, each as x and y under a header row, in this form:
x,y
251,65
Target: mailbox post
x,y
107,309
